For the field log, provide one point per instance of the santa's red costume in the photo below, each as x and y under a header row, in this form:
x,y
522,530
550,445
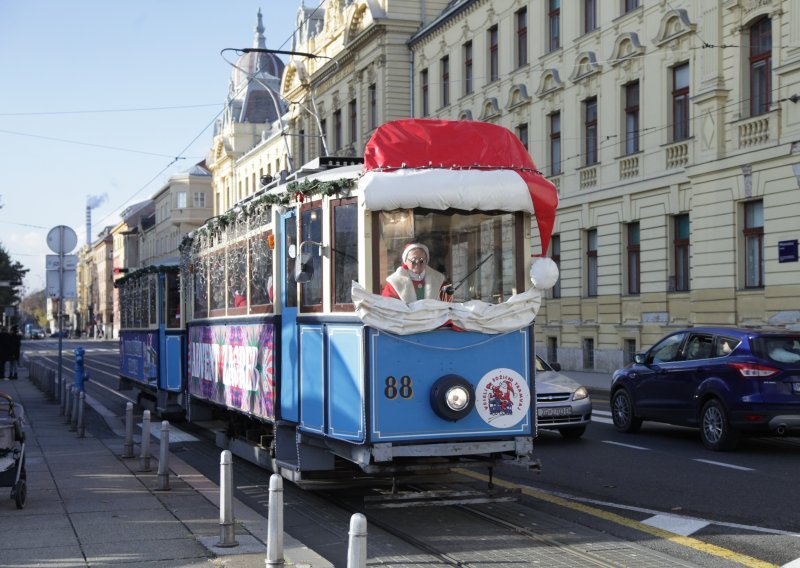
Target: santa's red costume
x,y
409,285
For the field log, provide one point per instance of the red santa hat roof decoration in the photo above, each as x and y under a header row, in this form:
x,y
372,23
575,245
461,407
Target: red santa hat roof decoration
x,y
441,164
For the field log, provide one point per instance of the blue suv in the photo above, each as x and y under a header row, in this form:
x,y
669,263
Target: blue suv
x,y
725,381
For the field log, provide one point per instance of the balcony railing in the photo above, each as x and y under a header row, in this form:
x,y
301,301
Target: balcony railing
x,y
677,155
629,167
588,177
754,131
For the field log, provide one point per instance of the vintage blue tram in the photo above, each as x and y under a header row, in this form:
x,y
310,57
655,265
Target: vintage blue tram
x,y
289,338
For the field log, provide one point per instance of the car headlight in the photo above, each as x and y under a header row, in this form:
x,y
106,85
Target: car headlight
x,y
580,393
452,397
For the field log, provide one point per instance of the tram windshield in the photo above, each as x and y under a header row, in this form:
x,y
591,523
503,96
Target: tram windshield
x,y
477,252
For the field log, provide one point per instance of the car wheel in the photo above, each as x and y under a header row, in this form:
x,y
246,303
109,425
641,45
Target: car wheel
x,y
573,432
622,412
715,428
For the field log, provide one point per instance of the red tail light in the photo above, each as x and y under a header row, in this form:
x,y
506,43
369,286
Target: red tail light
x,y
754,370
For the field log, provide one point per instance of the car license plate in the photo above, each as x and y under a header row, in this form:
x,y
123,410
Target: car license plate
x,y
554,411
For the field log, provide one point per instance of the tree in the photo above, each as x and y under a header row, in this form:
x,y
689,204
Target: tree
x,y
14,272
34,309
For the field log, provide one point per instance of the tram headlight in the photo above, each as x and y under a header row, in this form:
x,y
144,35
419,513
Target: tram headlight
x,y
452,397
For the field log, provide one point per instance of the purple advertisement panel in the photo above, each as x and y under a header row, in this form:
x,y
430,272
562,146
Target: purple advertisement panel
x,y
233,365
138,355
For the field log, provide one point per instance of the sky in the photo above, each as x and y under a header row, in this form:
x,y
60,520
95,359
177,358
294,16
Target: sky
x,y
101,101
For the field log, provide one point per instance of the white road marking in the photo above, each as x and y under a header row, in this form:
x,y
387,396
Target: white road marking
x,y
683,526
175,435
602,416
631,446
721,464
792,564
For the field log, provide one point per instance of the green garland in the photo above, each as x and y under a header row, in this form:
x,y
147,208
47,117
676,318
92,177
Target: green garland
x,y
142,272
297,191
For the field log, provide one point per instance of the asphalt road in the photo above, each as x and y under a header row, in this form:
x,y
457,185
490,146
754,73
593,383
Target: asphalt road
x,y
744,501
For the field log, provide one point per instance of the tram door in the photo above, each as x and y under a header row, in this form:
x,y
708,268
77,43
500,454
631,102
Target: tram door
x,y
289,387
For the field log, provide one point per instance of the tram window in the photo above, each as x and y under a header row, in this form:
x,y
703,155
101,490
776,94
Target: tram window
x,y
311,230
152,296
216,278
477,252
344,252
173,308
237,279
138,304
289,284
261,292
200,272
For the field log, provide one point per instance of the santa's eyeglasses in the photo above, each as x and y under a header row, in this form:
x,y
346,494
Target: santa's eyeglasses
x,y
416,261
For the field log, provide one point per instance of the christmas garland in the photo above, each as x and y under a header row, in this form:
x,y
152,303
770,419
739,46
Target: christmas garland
x,y
142,272
297,191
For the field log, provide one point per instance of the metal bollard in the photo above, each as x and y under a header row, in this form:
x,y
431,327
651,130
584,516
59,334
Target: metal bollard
x,y
73,424
62,397
81,404
163,458
144,456
227,527
127,451
68,408
275,522
357,547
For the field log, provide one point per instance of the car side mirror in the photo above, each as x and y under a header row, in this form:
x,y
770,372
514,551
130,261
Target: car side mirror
x,y
556,366
639,358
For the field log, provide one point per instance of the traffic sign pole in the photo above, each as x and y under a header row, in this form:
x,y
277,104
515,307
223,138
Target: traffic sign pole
x,y
61,240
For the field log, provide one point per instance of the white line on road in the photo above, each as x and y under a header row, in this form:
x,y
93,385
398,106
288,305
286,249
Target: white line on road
x,y
679,525
631,446
721,464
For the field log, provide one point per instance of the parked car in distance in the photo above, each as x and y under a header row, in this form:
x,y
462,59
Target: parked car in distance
x,y
562,404
61,333
728,382
37,333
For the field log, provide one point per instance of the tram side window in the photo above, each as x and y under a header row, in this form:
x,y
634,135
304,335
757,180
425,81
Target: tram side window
x,y
237,277
289,285
200,272
261,290
216,277
477,252
173,307
344,252
311,230
139,292
152,312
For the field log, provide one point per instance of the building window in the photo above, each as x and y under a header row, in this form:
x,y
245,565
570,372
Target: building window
x,y
337,130
200,199
180,200
423,80
634,258
589,15
680,247
323,135
555,143
588,353
552,350
590,130
760,66
630,350
353,116
754,244
372,93
494,63
522,134
522,37
591,263
680,102
301,135
631,5
468,68
632,118
554,25
555,254
445,65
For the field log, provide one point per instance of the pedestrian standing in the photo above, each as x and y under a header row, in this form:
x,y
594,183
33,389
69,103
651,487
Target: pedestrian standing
x,y
15,346
5,350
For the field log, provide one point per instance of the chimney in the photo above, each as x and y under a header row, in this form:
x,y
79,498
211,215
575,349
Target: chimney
x,y
88,225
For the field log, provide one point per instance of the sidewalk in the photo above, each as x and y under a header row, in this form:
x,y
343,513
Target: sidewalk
x,y
87,506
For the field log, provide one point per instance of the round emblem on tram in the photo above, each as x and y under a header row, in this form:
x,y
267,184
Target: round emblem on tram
x,y
503,398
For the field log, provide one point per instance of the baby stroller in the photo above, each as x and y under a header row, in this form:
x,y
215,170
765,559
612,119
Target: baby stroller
x,y
12,449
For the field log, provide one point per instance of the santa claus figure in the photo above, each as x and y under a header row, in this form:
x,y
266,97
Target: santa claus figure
x,y
415,279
